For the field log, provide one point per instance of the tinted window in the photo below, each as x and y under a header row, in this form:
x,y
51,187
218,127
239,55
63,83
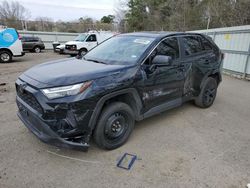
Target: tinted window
x,y
206,44
192,45
34,39
169,47
30,39
25,39
92,38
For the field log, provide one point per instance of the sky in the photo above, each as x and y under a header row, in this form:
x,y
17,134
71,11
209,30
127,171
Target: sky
x,y
68,10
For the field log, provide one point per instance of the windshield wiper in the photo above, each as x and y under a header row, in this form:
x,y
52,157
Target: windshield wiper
x,y
94,61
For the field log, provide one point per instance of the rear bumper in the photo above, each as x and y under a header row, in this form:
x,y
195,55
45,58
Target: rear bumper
x,y
22,54
40,129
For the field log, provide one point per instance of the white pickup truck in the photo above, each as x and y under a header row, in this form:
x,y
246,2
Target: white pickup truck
x,y
86,41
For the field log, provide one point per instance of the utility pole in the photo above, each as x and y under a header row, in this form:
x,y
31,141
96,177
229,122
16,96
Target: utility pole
x,y
184,16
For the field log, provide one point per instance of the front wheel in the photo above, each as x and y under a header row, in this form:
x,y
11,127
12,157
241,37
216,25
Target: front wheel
x,y
82,52
207,94
5,56
114,126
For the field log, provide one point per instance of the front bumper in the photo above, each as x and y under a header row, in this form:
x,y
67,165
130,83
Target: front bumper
x,y
39,128
71,52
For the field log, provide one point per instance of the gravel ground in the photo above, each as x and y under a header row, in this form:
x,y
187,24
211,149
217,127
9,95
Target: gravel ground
x,y
185,147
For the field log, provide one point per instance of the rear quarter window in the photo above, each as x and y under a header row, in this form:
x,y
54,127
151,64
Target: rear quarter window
x,y
191,45
206,45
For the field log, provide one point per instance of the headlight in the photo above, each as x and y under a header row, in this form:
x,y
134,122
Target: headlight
x,y
64,91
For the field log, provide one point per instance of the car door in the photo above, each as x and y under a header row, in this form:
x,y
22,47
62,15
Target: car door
x,y
29,43
163,84
25,43
200,57
91,41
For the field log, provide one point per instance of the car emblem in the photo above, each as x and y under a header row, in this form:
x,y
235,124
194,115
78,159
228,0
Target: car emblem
x,y
22,87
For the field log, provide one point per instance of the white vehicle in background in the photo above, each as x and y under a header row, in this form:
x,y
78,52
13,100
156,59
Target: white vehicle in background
x,y
86,41
60,48
10,44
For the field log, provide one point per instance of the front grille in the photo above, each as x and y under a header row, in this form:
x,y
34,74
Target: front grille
x,y
29,99
70,47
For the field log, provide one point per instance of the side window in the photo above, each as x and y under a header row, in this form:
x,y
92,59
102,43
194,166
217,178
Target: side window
x,y
191,45
91,38
168,47
23,39
26,39
33,39
29,39
206,44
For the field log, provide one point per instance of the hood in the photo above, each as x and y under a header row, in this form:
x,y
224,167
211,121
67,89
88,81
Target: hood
x,y
67,71
74,42
61,46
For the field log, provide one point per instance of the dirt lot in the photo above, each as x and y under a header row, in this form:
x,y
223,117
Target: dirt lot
x,y
185,147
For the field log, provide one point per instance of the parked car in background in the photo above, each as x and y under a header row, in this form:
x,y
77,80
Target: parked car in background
x,y
86,41
33,44
60,48
10,44
125,79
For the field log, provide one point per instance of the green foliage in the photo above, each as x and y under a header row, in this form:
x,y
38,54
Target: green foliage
x,y
108,19
183,15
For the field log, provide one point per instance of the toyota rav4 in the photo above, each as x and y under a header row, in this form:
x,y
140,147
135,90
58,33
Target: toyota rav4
x,y
125,79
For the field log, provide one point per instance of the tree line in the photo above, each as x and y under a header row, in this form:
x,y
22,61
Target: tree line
x,y
183,15
139,15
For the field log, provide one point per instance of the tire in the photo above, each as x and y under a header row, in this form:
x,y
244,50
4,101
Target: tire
x,y
207,94
82,52
114,126
5,56
37,49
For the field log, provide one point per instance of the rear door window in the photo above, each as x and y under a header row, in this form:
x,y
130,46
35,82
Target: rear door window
x,y
192,45
206,44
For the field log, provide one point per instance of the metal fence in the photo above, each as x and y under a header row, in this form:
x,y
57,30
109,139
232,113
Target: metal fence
x,y
49,37
235,43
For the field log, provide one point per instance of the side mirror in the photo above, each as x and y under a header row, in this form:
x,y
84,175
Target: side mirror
x,y
162,60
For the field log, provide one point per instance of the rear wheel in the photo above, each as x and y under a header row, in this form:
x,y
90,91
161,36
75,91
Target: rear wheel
x,y
37,49
114,126
207,94
5,56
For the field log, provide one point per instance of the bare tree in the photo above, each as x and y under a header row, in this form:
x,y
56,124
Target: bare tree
x,y
44,24
121,8
12,13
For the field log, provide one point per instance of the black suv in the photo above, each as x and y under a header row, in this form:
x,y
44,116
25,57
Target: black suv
x,y
124,79
33,44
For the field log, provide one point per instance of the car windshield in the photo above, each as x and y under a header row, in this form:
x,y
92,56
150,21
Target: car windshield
x,y
120,50
80,37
